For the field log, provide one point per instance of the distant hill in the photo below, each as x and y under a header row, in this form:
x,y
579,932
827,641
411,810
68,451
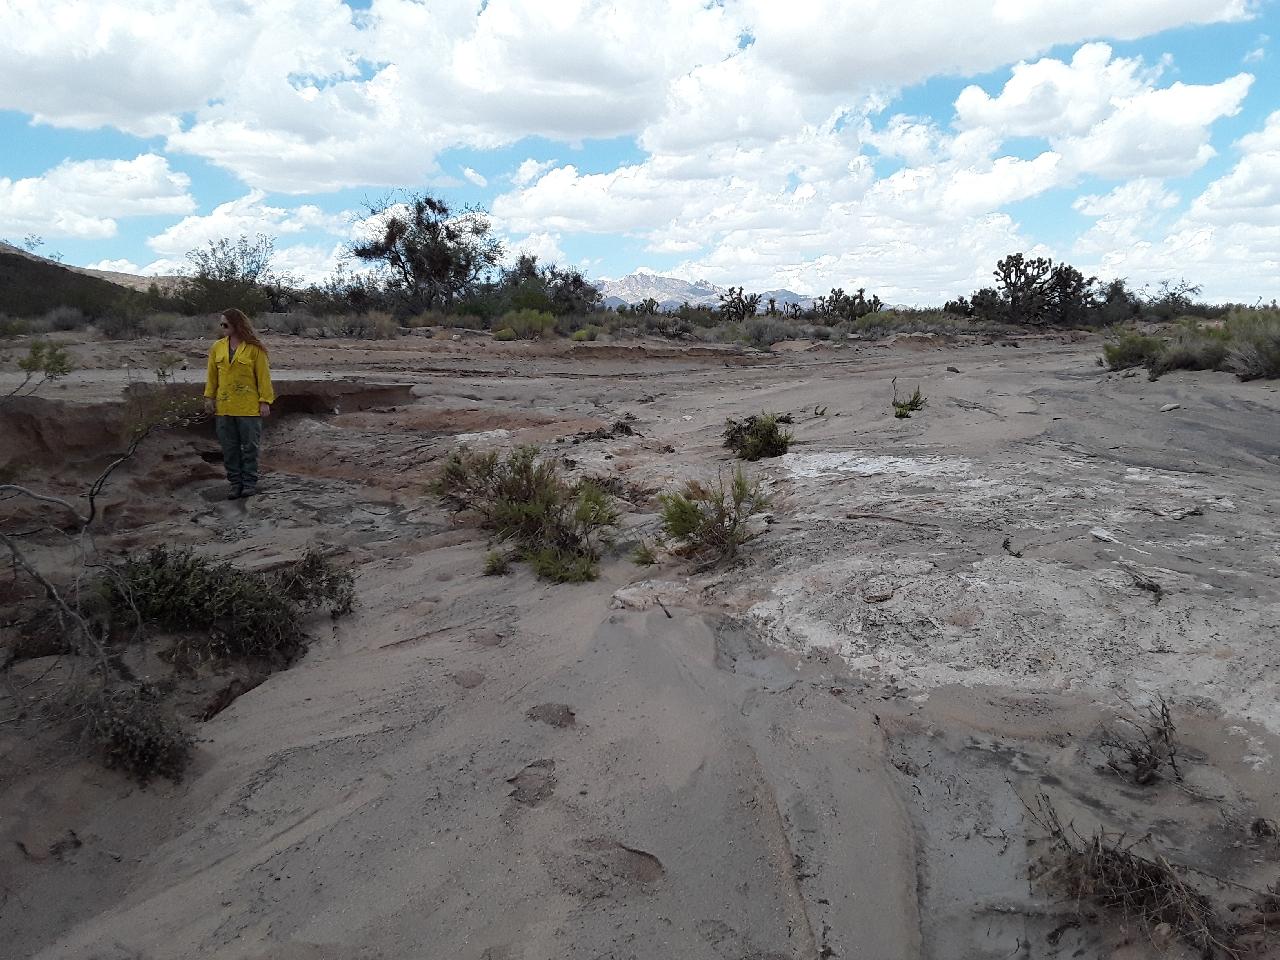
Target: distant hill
x,y
672,292
32,285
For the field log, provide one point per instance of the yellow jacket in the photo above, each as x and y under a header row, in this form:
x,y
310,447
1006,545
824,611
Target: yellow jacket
x,y
238,383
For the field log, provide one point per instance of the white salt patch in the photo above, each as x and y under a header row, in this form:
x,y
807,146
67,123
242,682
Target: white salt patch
x,y
815,465
482,436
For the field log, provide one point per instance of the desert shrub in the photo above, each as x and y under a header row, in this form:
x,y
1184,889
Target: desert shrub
x,y
136,732
1131,349
903,409
12,326
120,325
315,582
643,555
497,563
764,332
1255,344
506,333
561,566
589,332
1193,347
429,318
756,438
65,318
370,325
223,611
710,522
45,362
529,324
557,527
295,324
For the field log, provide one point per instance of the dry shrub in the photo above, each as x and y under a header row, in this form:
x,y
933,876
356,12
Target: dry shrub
x,y
1147,750
1105,870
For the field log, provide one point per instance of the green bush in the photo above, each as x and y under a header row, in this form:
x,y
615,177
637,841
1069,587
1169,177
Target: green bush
x,y
506,333
223,611
1132,349
556,526
589,332
135,731
903,409
497,563
710,523
757,437
529,324
643,555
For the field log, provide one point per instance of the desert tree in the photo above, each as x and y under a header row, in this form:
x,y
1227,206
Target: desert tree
x,y
432,255
233,273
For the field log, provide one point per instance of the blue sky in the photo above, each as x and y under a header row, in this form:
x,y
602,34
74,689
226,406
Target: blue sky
x,y
902,146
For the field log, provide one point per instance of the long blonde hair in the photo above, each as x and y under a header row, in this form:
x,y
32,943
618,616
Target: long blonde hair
x,y
242,328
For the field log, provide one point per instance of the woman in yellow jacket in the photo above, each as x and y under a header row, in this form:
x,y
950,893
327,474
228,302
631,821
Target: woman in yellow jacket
x,y
238,391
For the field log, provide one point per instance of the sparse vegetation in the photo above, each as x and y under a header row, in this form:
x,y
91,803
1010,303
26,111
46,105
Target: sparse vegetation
x,y
709,523
44,363
757,437
902,409
555,526
1246,343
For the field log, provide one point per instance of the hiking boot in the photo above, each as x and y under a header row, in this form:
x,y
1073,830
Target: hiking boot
x,y
235,493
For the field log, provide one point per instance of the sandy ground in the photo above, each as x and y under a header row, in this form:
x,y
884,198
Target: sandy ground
x,y
824,750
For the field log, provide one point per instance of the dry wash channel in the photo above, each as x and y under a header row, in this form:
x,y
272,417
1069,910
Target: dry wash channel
x,y
842,744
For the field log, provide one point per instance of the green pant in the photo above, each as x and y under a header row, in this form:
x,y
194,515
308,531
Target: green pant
x,y
239,437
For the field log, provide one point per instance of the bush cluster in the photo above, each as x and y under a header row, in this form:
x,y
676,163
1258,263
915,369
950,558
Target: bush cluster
x,y
226,612
1247,343
758,437
555,526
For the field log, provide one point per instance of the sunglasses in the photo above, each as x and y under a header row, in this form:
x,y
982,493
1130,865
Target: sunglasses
x,y
224,325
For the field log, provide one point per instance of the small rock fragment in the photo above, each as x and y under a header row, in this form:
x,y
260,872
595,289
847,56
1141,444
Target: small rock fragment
x,y
1170,406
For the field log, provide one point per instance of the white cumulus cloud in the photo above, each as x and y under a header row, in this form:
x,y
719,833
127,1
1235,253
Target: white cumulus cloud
x,y
85,198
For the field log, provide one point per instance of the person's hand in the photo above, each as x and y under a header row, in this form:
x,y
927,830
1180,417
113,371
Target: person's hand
x,y
264,410
209,405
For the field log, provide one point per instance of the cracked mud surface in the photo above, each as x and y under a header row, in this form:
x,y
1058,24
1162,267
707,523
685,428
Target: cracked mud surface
x,y
825,750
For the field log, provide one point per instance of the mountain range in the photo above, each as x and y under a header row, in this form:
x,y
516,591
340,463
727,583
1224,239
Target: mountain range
x,y
672,292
